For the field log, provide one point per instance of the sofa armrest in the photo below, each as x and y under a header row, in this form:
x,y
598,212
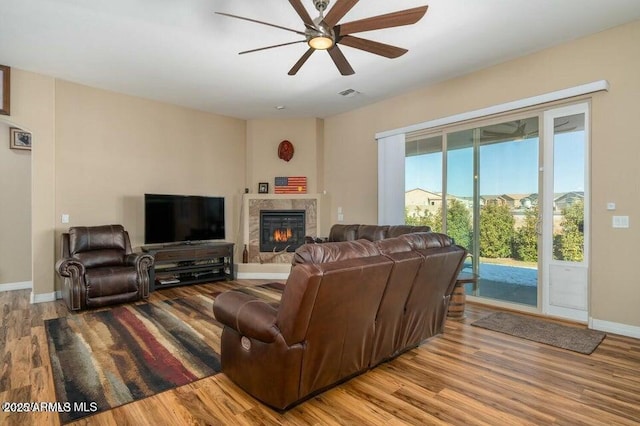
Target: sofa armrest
x,y
142,263
248,315
69,268
74,289
139,260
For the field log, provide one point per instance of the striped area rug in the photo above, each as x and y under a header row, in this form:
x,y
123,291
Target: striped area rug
x,y
104,359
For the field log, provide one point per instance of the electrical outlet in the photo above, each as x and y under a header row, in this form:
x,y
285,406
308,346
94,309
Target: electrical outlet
x,y
65,218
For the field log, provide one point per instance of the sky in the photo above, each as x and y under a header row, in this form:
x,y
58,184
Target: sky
x,y
505,168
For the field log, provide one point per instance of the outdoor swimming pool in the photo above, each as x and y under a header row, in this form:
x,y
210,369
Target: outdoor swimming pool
x,y
509,274
507,283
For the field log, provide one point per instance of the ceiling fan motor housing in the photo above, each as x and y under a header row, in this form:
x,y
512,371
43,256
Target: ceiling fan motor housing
x,y
321,30
321,5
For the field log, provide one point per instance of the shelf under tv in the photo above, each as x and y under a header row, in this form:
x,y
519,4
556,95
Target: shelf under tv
x,y
185,264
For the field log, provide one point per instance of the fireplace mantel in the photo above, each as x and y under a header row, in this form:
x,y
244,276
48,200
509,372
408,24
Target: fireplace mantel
x,y
251,206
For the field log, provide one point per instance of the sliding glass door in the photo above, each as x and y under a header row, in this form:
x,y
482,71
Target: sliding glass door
x,y
490,177
523,220
493,175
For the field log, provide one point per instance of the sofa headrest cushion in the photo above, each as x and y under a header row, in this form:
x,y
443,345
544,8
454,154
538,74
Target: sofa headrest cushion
x,y
333,252
343,232
426,240
372,232
88,238
397,230
393,245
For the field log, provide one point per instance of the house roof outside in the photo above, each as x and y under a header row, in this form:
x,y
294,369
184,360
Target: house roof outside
x,y
422,197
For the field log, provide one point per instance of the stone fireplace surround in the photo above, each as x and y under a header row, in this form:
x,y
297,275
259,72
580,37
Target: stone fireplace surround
x,y
263,264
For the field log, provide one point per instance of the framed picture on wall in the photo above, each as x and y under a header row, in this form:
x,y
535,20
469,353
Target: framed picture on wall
x,y
19,139
5,89
263,188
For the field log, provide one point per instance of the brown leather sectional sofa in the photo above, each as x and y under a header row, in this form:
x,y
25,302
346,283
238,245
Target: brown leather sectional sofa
x,y
346,307
340,232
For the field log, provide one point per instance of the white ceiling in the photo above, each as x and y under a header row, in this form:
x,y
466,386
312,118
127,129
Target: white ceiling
x,y
179,51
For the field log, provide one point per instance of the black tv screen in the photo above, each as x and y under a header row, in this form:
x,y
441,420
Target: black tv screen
x,y
182,218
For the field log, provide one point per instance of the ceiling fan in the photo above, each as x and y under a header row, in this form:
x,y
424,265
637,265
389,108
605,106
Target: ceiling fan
x,y
324,32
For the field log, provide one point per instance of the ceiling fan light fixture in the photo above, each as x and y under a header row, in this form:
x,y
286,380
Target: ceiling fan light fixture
x,y
321,42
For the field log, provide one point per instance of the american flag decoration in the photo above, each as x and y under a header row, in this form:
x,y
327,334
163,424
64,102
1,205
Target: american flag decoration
x,y
291,185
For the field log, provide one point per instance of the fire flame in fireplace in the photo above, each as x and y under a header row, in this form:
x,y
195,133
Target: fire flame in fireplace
x,y
282,235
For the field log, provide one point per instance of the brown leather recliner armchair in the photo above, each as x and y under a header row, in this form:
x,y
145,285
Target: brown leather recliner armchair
x,y
99,268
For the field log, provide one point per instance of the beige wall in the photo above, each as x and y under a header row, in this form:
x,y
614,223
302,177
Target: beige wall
x,y
111,149
78,166
351,151
15,211
263,138
32,109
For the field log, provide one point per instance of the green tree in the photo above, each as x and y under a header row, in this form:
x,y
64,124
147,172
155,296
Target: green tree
x,y
436,222
419,218
458,223
496,230
525,241
412,219
571,240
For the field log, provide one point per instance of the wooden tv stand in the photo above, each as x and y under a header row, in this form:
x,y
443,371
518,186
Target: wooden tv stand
x,y
184,264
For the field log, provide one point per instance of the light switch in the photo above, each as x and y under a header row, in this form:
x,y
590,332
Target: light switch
x,y
65,218
620,221
340,217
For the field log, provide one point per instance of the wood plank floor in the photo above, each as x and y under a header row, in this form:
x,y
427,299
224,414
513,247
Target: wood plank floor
x,y
468,376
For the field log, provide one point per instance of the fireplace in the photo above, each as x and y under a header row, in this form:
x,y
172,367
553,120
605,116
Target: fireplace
x,y
281,229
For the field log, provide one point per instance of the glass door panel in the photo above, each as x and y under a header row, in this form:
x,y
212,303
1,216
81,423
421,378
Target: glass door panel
x,y
460,205
423,182
566,217
508,167
568,188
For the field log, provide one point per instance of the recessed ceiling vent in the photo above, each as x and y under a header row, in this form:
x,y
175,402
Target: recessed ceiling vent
x,y
349,93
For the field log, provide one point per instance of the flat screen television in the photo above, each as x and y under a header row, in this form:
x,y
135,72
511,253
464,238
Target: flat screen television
x,y
183,218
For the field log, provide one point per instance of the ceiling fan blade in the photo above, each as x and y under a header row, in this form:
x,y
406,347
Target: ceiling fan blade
x,y
337,12
302,12
271,47
260,22
340,61
389,20
386,50
301,61
499,134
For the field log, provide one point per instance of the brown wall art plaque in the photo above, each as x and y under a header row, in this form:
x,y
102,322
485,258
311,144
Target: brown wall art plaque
x,y
285,150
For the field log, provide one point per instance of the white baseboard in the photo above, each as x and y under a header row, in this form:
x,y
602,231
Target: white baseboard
x,y
45,297
615,327
263,275
24,285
